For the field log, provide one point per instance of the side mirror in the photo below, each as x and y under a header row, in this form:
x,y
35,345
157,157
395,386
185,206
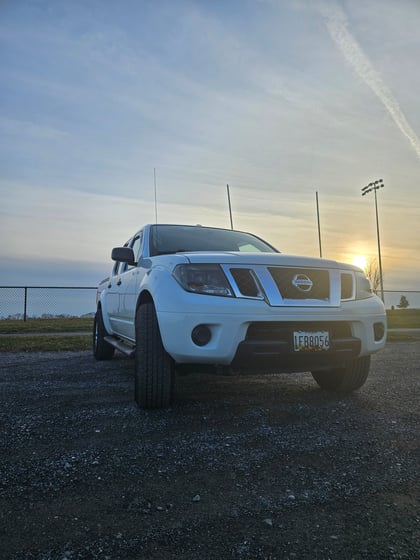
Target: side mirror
x,y
123,254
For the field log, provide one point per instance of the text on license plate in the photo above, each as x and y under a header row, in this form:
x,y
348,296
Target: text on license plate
x,y
311,341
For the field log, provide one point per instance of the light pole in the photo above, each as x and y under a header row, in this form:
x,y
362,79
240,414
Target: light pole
x,y
230,207
374,186
319,226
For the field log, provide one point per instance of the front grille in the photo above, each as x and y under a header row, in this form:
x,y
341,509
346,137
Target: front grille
x,y
270,330
301,283
245,281
346,286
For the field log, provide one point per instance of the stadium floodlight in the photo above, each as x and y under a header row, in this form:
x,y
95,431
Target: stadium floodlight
x,y
374,186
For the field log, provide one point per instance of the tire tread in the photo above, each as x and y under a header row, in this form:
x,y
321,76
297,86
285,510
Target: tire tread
x,y
345,379
154,367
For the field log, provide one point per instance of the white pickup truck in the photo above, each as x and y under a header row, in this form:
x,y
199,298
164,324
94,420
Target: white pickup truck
x,y
193,298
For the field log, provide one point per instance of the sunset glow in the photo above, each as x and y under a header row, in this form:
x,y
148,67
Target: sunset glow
x,y
297,106
360,261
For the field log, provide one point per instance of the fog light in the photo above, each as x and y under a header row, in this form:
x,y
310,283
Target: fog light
x,y
378,331
201,335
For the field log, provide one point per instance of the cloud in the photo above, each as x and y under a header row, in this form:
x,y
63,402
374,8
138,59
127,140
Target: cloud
x,y
353,53
207,94
30,130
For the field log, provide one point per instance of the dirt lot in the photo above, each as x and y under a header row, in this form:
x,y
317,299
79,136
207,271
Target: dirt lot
x,y
239,468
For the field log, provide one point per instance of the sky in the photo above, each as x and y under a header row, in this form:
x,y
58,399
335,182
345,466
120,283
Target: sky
x,y
280,99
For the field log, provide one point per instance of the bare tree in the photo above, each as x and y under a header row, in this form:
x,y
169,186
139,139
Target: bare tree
x,y
403,303
372,272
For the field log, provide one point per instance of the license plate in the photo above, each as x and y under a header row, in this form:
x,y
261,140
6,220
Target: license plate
x,y
311,341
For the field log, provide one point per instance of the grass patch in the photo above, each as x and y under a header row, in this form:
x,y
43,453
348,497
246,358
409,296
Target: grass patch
x,y
397,319
402,337
68,324
44,341
47,343
38,335
403,318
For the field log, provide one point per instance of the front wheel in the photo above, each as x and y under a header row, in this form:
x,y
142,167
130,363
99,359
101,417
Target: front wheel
x,y
154,369
344,379
101,349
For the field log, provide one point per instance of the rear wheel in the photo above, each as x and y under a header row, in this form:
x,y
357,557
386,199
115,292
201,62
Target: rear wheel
x,y
345,379
101,349
154,370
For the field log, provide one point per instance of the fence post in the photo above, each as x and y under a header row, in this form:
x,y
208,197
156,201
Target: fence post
x,y
25,303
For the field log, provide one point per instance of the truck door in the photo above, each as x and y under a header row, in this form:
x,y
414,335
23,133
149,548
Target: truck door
x,y
130,280
112,298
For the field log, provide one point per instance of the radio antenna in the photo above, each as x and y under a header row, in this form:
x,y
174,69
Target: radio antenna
x,y
154,180
319,225
230,207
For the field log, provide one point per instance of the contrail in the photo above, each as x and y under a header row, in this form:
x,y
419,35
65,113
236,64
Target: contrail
x,y
336,24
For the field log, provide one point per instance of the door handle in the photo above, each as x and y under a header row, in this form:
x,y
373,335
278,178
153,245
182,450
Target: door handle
x,y
119,282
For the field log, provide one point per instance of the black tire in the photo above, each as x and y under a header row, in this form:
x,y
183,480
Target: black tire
x,y
154,369
345,379
101,349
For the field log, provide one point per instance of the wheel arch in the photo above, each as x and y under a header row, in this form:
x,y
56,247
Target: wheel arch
x,y
101,306
144,297
102,350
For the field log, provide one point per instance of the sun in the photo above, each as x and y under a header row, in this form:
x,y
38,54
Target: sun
x,y
360,261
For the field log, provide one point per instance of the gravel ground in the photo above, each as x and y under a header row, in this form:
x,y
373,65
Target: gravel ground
x,y
256,467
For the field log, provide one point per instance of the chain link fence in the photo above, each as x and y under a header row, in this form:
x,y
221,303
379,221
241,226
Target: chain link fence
x,y
404,299
26,302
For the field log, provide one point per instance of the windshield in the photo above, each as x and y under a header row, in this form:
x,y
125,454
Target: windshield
x,y
166,239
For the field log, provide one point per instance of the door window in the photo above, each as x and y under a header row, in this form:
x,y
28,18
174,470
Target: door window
x,y
136,246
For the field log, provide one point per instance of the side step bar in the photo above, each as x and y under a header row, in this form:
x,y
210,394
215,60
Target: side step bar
x,y
120,346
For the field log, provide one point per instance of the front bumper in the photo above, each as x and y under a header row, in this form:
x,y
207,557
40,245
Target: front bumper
x,y
265,355
266,340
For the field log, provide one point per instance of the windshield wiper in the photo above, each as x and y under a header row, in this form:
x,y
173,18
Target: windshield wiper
x,y
172,252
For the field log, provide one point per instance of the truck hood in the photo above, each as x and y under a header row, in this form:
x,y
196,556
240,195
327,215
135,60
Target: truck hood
x,y
264,259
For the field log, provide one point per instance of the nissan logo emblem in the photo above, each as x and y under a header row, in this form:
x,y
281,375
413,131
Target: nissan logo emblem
x,y
302,282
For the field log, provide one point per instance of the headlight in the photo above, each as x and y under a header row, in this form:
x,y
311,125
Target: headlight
x,y
363,287
203,279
